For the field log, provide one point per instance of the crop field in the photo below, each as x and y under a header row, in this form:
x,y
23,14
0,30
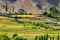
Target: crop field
x,y
29,26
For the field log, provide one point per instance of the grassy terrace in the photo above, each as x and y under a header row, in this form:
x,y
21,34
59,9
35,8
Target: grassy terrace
x,y
29,26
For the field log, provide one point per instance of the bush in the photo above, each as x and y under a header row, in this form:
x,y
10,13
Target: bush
x,y
15,35
5,37
53,14
40,24
16,18
18,38
45,13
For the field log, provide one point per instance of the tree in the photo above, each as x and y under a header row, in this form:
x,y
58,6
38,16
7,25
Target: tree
x,y
53,13
52,38
5,37
6,7
36,37
13,8
16,18
41,38
46,37
58,37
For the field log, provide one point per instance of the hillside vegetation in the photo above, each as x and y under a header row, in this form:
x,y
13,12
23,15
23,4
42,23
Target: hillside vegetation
x,y
29,25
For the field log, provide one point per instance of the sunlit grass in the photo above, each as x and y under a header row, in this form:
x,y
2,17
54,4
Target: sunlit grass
x,y
9,27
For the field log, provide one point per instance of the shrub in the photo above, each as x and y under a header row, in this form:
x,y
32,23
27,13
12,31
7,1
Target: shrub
x,y
34,27
40,24
16,18
5,37
45,13
53,14
18,38
15,35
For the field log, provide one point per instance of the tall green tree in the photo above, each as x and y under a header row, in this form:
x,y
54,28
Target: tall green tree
x,y
52,38
6,7
58,37
13,8
46,37
41,38
53,13
36,37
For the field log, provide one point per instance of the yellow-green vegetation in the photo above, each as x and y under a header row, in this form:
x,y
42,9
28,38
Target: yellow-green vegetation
x,y
29,26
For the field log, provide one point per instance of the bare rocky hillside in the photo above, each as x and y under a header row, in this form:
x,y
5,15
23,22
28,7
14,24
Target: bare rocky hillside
x,y
33,6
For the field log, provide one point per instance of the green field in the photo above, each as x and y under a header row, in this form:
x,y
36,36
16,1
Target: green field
x,y
29,26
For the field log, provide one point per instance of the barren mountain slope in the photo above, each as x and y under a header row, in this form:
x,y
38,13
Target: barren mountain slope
x,y
46,4
29,7
33,6
25,4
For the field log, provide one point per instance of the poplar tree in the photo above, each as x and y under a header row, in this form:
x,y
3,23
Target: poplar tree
x,y
6,7
58,37
36,37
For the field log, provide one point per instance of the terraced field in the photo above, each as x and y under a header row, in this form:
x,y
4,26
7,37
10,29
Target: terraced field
x,y
27,26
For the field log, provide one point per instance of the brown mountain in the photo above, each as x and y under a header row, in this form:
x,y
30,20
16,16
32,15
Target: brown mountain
x,y
25,4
